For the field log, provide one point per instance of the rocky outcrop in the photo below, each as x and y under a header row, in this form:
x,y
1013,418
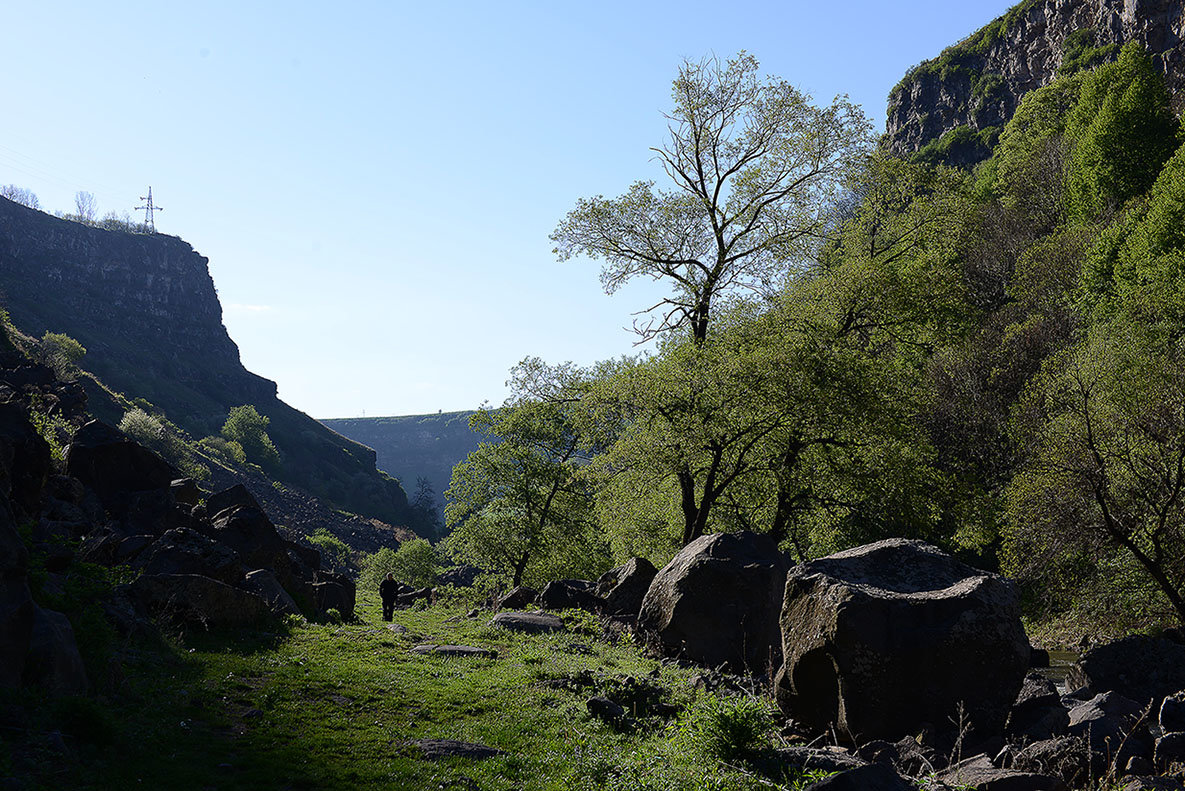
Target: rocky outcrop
x,y
977,84
146,309
717,603
897,637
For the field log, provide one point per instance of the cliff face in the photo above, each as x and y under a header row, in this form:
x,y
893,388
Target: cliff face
x,y
145,308
966,95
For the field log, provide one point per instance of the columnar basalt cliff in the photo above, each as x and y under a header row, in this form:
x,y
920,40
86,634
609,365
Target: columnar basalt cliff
x,y
957,103
145,308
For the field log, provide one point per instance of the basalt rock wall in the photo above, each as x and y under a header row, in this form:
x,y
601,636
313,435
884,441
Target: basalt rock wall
x,y
976,85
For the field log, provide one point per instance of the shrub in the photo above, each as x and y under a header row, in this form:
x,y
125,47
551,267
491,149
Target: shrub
x,y
728,730
334,552
223,449
247,427
415,563
61,353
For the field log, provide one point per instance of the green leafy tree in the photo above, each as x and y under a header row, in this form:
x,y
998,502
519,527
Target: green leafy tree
x,y
61,353
520,504
1121,131
754,167
415,563
1104,433
247,427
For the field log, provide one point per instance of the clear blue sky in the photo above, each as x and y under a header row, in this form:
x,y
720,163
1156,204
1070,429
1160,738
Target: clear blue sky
x,y
374,182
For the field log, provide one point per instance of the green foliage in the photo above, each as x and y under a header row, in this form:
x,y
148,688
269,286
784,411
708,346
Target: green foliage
x,y
415,563
962,142
165,438
248,428
1080,52
52,427
61,353
1121,131
223,449
728,729
335,554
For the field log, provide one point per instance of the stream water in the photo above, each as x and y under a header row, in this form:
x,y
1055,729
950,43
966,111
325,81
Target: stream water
x,y
1059,666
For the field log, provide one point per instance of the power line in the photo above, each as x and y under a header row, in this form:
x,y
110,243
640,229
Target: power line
x,y
149,209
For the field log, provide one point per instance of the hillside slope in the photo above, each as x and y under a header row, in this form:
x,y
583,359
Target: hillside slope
x,y
146,309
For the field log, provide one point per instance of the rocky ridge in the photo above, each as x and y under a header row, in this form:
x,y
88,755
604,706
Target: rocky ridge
x,y
966,95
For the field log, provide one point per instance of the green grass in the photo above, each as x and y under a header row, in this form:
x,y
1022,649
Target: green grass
x,y
327,707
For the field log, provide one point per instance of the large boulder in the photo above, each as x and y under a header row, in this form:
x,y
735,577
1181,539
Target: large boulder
x,y
17,610
1038,713
1144,669
264,584
228,498
569,595
624,587
195,600
334,592
896,637
717,602
53,663
247,530
185,551
110,463
24,459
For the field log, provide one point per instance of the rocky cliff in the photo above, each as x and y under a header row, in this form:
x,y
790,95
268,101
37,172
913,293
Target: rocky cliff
x,y
145,308
952,108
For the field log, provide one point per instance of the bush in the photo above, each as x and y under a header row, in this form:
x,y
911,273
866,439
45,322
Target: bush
x,y
247,427
223,449
415,563
61,353
143,427
728,730
334,552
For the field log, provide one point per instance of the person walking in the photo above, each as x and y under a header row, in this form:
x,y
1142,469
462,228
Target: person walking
x,y
388,590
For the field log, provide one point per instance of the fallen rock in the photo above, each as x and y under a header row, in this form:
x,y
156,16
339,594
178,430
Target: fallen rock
x,y
263,583
195,600
978,774
236,495
1172,713
605,709
1152,784
53,663
717,603
568,595
1038,713
336,592
1169,751
517,598
1141,668
436,749
455,650
1068,758
185,551
114,466
873,777
888,639
24,459
529,622
624,587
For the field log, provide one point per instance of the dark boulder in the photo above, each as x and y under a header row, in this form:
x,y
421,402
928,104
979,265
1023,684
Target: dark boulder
x,y
896,637
873,777
1068,758
17,610
110,463
717,602
528,622
1141,668
1114,726
334,592
186,491
517,598
248,531
978,774
24,460
53,663
191,599
624,587
459,576
228,498
263,583
1169,752
568,595
185,551
1038,713
1172,713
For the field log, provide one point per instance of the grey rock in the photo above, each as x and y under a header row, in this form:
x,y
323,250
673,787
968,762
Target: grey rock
x,y
569,595
436,749
185,551
605,709
264,584
1068,758
1038,713
195,600
887,639
528,622
516,598
873,777
717,602
1141,668
980,775
455,650
624,587
1172,713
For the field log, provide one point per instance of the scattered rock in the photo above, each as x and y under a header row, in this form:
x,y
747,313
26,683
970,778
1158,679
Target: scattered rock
x,y
1169,750
978,774
264,584
529,622
236,495
517,598
1038,713
624,587
717,603
1172,713
185,551
435,749
1068,758
884,639
1141,668
873,777
455,650
568,595
196,600
604,709
106,460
